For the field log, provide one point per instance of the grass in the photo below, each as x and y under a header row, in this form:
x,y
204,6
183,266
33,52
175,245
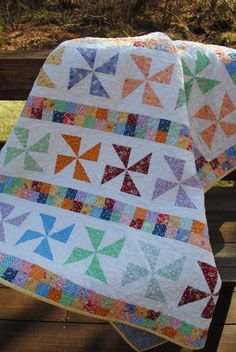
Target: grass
x,y
9,113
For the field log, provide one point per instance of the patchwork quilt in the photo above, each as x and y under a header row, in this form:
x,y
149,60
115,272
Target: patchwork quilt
x,y
102,184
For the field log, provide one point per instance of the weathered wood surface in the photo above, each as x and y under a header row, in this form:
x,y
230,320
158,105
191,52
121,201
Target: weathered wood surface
x,y
27,324
23,307
18,70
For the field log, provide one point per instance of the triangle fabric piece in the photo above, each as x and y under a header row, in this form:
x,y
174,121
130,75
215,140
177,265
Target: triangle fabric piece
x,y
188,89
128,186
211,275
23,135
209,309
143,63
80,173
78,254
130,85
205,113
30,164
133,273
206,84
42,145
110,173
227,106
28,236
151,253
76,75
208,135
142,165
44,249
18,220
176,165
149,97
173,270
123,153
96,236
192,181
48,222
2,233
95,270
97,88
162,186
114,249
186,69
154,291
5,210
183,200
89,55
202,62
181,100
56,57
62,162
92,154
192,295
109,67
43,80
63,235
12,153
73,141
163,76
228,128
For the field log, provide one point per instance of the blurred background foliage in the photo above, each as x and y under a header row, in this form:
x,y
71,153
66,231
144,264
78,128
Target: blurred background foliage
x,y
43,24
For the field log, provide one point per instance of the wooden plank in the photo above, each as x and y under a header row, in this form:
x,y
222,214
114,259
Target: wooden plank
x,y
23,307
225,254
18,71
227,274
231,316
222,226
221,199
74,337
18,336
227,341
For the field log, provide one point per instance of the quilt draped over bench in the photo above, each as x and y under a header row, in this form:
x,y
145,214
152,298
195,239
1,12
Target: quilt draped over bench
x,y
102,184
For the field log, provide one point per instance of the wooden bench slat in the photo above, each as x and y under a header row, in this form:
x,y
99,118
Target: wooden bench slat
x,y
225,255
221,199
18,70
23,307
16,336
222,226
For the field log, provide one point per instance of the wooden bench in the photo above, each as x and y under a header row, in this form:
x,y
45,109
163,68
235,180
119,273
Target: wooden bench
x,y
18,71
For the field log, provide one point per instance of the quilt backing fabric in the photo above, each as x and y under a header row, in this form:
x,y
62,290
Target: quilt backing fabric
x,y
102,184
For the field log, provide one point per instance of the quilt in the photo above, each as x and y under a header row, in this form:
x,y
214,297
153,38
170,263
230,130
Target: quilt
x,y
102,184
